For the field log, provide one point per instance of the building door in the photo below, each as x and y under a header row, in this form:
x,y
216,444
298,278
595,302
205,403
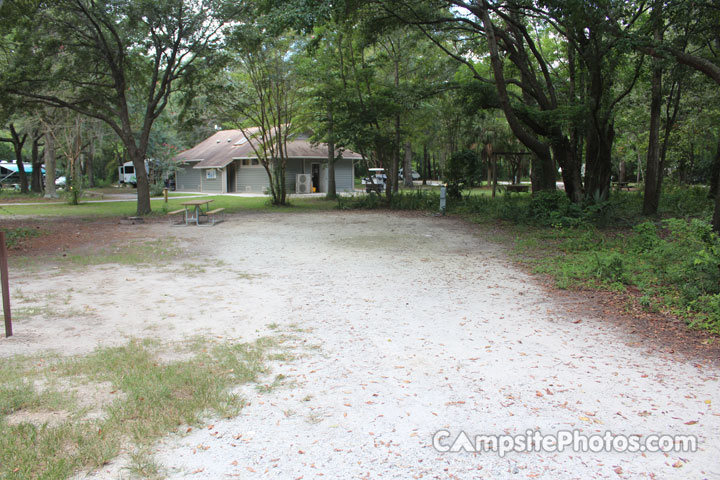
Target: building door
x,y
315,171
231,177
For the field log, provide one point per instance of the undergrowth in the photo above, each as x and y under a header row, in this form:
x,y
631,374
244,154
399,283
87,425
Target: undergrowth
x,y
15,236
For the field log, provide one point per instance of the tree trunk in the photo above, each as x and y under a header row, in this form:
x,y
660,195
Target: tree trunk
x,y
716,213
36,178
332,189
49,155
622,171
89,160
394,169
598,169
715,177
17,143
546,177
407,166
426,165
570,169
143,186
652,175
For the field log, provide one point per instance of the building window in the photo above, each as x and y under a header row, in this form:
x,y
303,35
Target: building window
x,y
249,162
211,174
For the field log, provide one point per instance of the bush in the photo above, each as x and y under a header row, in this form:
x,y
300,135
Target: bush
x,y
15,236
370,201
409,200
461,171
645,238
156,189
72,195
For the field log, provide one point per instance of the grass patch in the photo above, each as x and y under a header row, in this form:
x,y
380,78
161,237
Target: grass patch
x,y
144,253
231,204
152,399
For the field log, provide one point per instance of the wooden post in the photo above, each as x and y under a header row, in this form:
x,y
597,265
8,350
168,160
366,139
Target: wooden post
x,y
5,285
494,174
165,194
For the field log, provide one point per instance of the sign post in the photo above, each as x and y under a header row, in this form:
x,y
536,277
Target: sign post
x,y
443,191
5,285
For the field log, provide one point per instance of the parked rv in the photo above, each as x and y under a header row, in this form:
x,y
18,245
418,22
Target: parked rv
x,y
126,174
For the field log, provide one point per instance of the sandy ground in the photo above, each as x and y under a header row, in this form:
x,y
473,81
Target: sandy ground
x,y
407,325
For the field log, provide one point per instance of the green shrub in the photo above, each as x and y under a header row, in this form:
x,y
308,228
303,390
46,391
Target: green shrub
x,y
408,200
417,200
156,189
645,238
706,313
370,201
461,171
610,267
72,195
15,236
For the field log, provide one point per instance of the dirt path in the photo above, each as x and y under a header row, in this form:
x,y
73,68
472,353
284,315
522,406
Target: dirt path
x,y
405,325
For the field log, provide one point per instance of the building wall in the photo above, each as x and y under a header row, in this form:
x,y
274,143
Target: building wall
x,y
254,179
344,181
251,180
188,179
293,168
213,185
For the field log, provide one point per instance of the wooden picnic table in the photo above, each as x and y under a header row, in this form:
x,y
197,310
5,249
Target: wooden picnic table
x,y
198,209
620,185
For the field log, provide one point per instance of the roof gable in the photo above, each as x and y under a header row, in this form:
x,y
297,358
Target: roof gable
x,y
221,148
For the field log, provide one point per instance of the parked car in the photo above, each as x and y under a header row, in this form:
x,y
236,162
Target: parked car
x,y
60,182
415,175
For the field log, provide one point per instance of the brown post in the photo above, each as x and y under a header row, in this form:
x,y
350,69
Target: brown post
x,y
5,285
494,174
165,194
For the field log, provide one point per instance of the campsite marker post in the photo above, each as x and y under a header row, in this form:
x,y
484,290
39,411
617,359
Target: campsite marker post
x,y
5,285
443,191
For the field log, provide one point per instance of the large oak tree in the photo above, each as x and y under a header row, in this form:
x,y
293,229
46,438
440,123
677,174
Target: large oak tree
x,y
117,61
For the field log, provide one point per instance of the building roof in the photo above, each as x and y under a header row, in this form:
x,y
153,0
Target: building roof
x,y
220,149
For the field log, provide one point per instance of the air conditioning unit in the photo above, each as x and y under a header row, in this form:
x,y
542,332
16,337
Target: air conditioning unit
x,y
303,183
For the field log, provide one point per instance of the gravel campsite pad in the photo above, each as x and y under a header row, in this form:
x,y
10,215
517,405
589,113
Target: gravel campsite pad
x,y
396,327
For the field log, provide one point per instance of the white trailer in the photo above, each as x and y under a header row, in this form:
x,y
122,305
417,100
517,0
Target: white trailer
x,y
126,173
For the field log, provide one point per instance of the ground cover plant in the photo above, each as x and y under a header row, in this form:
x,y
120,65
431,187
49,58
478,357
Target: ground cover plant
x,y
147,397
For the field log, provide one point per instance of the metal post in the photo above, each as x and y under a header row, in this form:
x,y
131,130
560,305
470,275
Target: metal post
x,y
5,285
442,198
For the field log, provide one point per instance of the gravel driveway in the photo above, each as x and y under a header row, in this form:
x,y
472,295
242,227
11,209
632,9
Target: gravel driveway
x,y
400,326
407,325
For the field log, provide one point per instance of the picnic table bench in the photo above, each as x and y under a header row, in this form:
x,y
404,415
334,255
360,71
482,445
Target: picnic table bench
x,y
213,216
621,185
175,218
188,215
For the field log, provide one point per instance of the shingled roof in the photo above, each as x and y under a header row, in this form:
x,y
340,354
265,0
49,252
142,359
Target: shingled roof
x,y
224,146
